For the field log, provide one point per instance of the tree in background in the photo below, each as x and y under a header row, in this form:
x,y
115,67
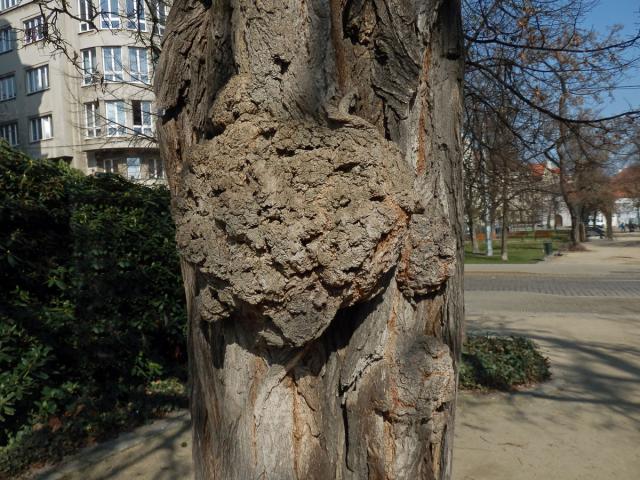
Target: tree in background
x,y
550,66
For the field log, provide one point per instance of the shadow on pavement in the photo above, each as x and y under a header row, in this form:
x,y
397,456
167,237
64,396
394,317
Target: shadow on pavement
x,y
158,456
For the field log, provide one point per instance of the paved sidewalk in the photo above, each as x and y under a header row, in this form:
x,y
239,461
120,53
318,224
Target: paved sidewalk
x,y
583,425
604,286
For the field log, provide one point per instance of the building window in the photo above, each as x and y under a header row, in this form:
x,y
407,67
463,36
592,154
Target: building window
x,y
38,79
40,128
138,65
158,15
35,29
89,66
109,165
133,168
135,15
141,117
116,118
87,13
7,4
109,14
10,133
156,168
7,87
112,60
91,117
6,39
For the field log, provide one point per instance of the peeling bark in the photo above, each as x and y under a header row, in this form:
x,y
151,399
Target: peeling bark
x,y
313,154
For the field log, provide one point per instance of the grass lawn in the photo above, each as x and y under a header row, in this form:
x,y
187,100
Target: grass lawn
x,y
525,250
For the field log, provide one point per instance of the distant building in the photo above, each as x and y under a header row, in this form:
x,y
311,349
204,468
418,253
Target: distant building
x,y
626,184
94,108
543,205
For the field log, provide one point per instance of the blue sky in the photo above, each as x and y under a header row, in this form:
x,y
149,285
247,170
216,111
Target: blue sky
x,y
627,13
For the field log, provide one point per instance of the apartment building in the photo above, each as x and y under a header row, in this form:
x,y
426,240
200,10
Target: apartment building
x,y
90,102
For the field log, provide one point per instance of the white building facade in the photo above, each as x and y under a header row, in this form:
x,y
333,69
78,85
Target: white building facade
x,y
89,103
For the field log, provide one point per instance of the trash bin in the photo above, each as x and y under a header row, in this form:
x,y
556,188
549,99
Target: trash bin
x,y
548,247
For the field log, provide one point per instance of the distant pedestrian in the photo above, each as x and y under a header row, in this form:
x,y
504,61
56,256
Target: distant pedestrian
x,y
623,226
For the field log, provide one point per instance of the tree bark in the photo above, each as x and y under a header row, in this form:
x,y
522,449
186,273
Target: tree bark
x,y
471,224
608,215
504,237
575,225
314,159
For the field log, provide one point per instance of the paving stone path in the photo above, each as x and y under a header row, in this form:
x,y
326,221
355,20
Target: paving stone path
x,y
618,285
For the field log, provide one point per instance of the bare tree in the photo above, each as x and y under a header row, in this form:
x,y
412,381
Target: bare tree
x,y
473,205
539,53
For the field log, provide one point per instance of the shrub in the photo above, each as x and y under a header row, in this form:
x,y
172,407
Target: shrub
x,y
501,363
91,304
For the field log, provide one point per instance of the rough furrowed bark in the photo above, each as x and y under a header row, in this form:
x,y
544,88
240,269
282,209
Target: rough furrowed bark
x,y
314,160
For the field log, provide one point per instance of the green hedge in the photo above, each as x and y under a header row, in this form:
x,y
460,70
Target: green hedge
x,y
502,363
91,301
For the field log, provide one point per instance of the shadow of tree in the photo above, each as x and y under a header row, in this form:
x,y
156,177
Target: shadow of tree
x,y
587,374
158,455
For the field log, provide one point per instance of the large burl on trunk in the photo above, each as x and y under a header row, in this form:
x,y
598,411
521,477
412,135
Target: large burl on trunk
x,y
313,154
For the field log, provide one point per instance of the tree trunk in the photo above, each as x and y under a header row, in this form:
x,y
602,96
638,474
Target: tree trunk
x,y
504,233
313,155
575,226
583,231
608,215
475,246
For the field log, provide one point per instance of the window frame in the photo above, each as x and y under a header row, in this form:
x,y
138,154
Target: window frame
x,y
12,77
112,76
136,15
44,85
113,165
92,129
8,39
41,128
138,75
156,168
39,27
15,132
4,4
119,128
89,15
109,18
89,76
142,128
160,11
138,176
